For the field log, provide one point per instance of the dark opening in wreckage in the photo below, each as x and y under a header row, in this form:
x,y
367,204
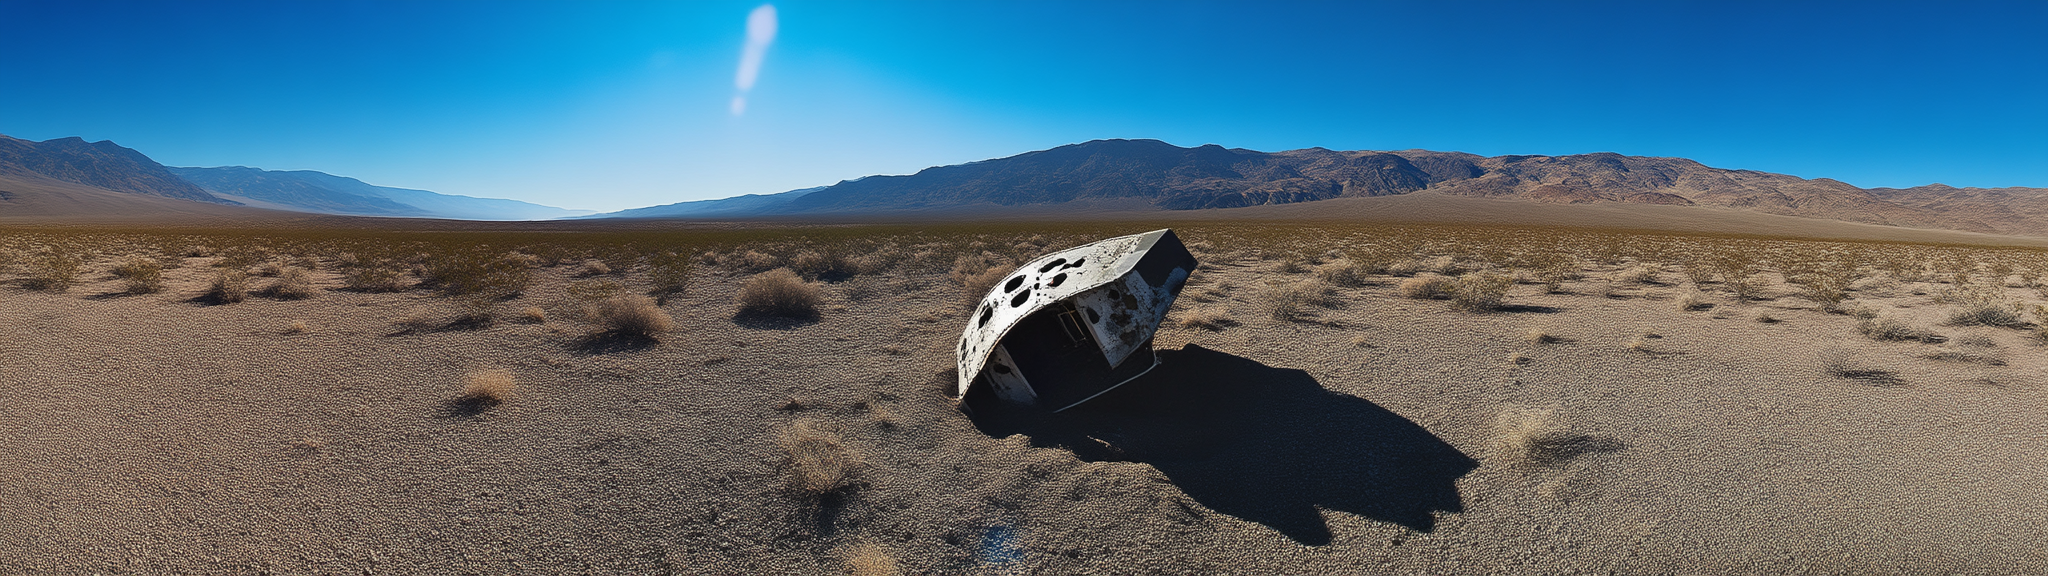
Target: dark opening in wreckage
x,y
1071,325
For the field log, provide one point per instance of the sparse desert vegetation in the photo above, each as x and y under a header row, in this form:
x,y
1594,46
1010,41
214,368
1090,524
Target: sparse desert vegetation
x,y
819,463
780,292
229,286
1538,437
142,275
826,427
486,388
633,315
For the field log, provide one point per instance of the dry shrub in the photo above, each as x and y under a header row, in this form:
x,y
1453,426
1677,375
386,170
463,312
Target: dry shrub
x,y
1976,341
1481,291
1825,283
1699,272
55,271
1206,318
970,267
1895,330
1638,274
632,315
1537,438
477,310
1288,302
815,265
819,462
417,320
669,272
1541,336
1965,357
1344,273
974,287
780,292
270,269
374,279
292,283
462,273
878,260
1692,301
868,559
1429,288
533,314
1837,363
1554,269
753,261
1739,274
1767,318
1639,344
1374,260
1983,306
522,259
1404,267
2040,332
593,267
1446,266
594,290
297,327
486,388
229,286
141,275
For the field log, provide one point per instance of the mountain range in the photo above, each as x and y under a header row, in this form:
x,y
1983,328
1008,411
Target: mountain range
x,y
310,191
1163,176
70,175
65,176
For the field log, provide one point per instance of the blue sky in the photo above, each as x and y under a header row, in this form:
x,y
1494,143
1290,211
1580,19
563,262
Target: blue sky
x,y
610,105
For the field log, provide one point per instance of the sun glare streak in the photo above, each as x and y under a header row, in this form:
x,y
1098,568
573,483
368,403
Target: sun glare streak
x,y
761,26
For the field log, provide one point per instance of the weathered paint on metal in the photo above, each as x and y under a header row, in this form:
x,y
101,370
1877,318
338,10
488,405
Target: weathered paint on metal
x,y
1124,309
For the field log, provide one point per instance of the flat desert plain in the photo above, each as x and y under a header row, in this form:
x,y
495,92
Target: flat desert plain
x,y
1628,405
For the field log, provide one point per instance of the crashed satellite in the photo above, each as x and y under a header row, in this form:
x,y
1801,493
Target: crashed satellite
x,y
1072,325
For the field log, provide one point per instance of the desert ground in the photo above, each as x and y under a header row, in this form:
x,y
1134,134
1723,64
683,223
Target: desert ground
x,y
1333,399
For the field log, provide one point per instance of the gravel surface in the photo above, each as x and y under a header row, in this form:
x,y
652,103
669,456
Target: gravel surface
x,y
154,434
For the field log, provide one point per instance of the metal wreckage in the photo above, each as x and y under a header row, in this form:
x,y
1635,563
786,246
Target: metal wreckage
x,y
1072,325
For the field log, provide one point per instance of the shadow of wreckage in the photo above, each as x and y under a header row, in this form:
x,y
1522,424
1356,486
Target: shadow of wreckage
x,y
1268,445
1072,366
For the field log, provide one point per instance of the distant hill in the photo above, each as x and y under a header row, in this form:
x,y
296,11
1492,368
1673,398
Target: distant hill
x,y
734,207
101,165
1168,177
310,191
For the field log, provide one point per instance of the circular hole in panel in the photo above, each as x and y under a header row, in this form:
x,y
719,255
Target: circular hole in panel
x,y
1051,265
1093,318
1012,285
1057,279
1020,298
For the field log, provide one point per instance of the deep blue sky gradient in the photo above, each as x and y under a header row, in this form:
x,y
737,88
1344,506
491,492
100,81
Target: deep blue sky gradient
x,y
609,105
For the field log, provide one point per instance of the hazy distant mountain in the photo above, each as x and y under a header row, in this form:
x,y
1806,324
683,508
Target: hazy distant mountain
x,y
1170,177
102,165
310,191
737,206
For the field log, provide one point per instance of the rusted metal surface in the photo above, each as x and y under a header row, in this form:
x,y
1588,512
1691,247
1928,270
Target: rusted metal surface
x,y
1120,293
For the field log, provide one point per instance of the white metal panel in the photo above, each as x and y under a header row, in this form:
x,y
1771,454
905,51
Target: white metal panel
x,y
1008,381
1029,289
